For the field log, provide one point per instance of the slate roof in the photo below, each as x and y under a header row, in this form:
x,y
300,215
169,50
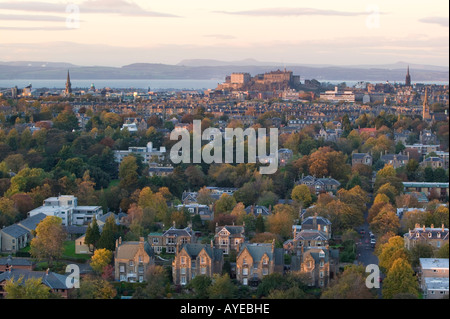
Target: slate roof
x,y
127,250
15,231
51,280
15,261
311,235
233,230
257,251
319,220
172,231
30,223
194,249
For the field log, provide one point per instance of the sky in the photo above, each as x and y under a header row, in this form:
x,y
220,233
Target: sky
x,y
121,32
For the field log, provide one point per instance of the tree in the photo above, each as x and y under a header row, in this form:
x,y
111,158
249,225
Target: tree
x,y
443,252
420,250
8,212
128,173
400,280
100,259
92,234
386,221
351,284
302,194
224,204
109,234
49,239
156,282
222,287
96,288
390,251
31,288
200,285
281,223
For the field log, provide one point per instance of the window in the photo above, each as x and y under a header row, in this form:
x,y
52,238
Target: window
x,y
156,240
141,278
141,269
438,244
122,268
321,263
430,235
245,271
131,263
183,280
183,260
265,271
245,282
183,270
203,260
203,270
244,261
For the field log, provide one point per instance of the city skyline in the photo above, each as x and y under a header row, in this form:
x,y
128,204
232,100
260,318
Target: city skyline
x,y
85,32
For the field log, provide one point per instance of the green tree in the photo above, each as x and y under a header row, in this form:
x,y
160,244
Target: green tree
x,y
128,173
92,234
200,285
109,235
400,280
222,287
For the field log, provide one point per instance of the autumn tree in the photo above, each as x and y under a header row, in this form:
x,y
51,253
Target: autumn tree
x,y
225,204
400,279
386,221
100,259
302,194
390,251
48,241
94,287
30,288
351,284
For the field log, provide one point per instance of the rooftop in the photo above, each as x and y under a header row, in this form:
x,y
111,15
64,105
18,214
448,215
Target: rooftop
x,y
434,263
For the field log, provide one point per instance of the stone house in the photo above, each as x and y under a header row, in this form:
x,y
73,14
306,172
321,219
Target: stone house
x,y
196,259
254,261
229,238
435,237
132,259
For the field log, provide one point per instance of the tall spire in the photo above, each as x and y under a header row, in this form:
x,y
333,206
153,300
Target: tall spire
x,y
426,108
68,84
408,78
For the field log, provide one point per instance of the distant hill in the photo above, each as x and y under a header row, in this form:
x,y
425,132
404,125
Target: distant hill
x,y
214,69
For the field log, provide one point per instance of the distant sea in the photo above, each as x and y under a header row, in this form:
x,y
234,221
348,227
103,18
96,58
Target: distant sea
x,y
154,85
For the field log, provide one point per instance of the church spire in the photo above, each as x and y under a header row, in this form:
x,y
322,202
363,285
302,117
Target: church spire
x,y
68,84
408,78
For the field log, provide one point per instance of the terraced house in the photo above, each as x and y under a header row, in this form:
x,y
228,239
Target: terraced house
x,y
196,259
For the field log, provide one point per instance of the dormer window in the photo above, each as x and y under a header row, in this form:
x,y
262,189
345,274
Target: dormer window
x,y
430,235
417,235
438,235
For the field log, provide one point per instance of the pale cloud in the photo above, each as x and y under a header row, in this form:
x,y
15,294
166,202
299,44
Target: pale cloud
x,y
28,17
283,12
442,21
220,36
118,7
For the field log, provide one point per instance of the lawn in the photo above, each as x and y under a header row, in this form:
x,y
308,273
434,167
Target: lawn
x,y
69,252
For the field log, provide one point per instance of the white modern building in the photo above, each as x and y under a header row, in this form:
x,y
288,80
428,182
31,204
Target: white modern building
x,y
148,153
66,207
